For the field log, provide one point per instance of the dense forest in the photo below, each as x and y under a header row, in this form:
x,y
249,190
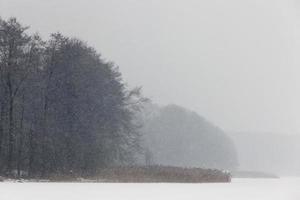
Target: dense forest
x,y
65,111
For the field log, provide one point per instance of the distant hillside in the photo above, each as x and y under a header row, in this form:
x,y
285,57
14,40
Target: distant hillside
x,y
175,136
273,153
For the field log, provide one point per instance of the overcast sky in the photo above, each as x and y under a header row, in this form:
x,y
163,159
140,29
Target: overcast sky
x,y
236,62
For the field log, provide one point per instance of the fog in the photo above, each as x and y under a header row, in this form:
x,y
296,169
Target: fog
x,y
234,62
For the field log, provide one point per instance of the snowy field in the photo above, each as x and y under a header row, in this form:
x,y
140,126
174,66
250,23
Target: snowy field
x,y
239,189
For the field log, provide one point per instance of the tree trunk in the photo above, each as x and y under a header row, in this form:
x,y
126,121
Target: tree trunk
x,y
20,146
11,139
31,152
1,129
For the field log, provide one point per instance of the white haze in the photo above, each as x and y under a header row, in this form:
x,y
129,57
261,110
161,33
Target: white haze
x,y
234,62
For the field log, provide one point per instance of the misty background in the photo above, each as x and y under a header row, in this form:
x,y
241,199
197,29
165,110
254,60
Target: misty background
x,y
234,62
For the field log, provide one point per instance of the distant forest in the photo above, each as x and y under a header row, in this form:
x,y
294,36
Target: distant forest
x,y
66,111
175,136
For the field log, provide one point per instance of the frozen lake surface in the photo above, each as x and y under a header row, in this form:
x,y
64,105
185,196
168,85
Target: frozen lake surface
x,y
239,189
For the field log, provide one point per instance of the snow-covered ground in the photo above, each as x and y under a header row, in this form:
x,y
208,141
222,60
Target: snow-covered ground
x,y
239,189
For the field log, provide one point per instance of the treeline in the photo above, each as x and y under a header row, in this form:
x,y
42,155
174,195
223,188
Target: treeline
x,y
63,110
175,136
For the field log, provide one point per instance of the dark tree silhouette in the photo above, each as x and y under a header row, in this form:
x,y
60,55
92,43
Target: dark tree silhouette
x,y
63,110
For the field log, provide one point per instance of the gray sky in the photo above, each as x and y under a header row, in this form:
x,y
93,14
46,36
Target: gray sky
x,y
235,62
